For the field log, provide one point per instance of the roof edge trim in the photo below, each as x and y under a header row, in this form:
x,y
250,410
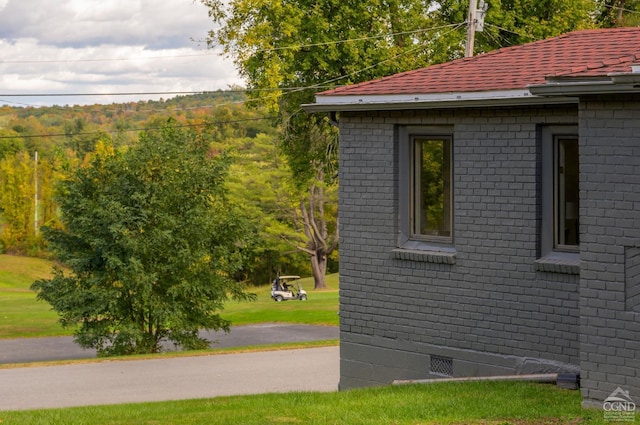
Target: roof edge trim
x,y
420,97
602,86
383,103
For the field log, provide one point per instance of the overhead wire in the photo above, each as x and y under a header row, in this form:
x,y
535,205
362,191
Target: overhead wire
x,y
406,52
292,47
325,84
302,46
330,43
610,6
30,61
403,53
498,39
148,93
529,36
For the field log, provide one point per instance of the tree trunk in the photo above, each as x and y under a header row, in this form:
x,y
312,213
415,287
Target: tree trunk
x,y
319,268
619,20
319,243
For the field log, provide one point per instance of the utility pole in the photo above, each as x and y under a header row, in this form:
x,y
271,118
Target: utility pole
x,y
471,28
35,183
475,22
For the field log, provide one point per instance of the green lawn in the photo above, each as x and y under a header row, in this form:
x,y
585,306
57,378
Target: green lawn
x,y
479,403
22,316
494,403
320,309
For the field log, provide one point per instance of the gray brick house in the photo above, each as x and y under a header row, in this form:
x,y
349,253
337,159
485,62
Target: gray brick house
x,y
490,216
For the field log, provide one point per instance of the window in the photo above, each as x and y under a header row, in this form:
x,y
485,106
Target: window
x,y
431,191
566,193
560,178
425,174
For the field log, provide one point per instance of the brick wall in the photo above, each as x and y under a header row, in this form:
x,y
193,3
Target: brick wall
x,y
610,246
490,312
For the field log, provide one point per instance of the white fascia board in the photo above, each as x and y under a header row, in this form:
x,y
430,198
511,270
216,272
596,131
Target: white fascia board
x,y
614,84
573,88
428,101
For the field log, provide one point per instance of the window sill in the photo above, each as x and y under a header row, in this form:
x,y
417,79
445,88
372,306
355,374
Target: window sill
x,y
426,254
559,262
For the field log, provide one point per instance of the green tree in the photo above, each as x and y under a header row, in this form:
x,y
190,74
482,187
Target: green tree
x,y
258,178
618,13
509,23
151,242
10,143
289,50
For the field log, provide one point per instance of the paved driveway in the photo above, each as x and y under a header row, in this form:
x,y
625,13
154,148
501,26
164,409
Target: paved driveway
x,y
131,381
115,382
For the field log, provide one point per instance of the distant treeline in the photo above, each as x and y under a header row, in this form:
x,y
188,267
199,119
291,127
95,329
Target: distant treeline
x,y
41,146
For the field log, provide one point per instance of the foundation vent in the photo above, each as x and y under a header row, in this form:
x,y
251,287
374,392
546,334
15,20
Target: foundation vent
x,y
442,366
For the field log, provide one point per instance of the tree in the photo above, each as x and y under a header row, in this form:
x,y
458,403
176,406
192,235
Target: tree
x,y
150,242
17,192
293,49
315,220
282,46
618,13
510,23
10,143
26,201
259,179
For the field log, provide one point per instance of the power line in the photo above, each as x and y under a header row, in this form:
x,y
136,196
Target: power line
x,y
242,90
529,36
324,84
103,94
102,59
454,27
292,47
608,6
16,103
373,37
404,53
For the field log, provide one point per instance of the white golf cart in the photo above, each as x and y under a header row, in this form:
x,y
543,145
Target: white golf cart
x,y
283,290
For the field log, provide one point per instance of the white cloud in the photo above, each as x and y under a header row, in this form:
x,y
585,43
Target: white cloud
x,y
106,46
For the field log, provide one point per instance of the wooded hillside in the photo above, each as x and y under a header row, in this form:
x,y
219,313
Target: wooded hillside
x,y
41,146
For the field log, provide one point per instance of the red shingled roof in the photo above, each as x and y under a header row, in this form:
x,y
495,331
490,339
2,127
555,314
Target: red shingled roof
x,y
587,53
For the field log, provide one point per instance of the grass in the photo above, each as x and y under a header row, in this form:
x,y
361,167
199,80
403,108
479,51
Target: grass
x,y
320,309
473,403
22,316
480,403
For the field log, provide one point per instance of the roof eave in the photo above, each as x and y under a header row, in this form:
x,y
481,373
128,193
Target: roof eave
x,y
380,103
613,84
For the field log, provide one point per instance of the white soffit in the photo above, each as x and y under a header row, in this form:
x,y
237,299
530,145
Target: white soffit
x,y
424,101
406,98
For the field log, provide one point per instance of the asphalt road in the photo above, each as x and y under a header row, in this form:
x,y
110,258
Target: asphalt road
x,y
132,381
115,382
63,348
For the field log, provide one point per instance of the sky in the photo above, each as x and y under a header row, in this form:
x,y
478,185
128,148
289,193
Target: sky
x,y
106,46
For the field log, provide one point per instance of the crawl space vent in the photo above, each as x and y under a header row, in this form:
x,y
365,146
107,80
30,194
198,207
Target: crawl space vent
x,y
441,366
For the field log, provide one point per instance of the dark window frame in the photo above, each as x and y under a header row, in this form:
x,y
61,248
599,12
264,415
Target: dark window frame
x,y
554,257
431,220
408,238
